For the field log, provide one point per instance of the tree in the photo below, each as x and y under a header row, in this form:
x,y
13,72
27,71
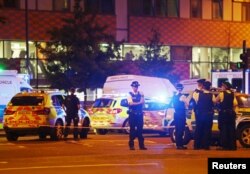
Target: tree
x,y
74,54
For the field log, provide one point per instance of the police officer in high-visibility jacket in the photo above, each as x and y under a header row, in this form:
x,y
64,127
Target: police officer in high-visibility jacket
x,y
136,103
204,117
179,102
227,116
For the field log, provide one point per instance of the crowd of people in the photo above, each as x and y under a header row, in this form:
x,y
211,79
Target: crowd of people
x,y
204,101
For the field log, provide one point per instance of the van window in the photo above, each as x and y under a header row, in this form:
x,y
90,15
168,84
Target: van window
x,y
237,84
27,101
103,102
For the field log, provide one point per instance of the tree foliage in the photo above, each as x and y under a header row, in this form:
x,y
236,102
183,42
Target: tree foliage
x,y
76,59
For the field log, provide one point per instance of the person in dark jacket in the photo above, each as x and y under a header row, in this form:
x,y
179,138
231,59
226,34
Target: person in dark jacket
x,y
227,116
136,102
179,104
204,117
71,105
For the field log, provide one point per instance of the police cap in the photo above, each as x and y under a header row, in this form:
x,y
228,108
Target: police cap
x,y
227,85
135,84
179,86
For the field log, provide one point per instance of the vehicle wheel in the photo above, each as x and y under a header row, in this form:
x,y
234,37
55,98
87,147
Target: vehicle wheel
x,y
42,136
11,136
126,127
57,131
84,131
101,131
187,135
244,135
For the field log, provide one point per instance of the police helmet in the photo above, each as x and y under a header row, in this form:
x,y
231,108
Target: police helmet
x,y
135,84
227,85
179,86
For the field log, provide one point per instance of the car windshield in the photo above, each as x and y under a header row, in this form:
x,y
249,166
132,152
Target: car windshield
x,y
27,101
103,102
153,106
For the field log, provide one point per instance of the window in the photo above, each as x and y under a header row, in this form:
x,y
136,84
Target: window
x,y
154,8
61,5
173,8
10,3
217,9
220,58
100,6
245,11
195,8
27,101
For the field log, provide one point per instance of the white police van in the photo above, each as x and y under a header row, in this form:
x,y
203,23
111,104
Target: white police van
x,y
11,83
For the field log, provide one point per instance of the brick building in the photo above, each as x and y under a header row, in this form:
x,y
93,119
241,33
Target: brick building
x,y
198,35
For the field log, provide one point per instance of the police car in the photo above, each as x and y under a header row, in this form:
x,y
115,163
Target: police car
x,y
110,113
39,112
242,123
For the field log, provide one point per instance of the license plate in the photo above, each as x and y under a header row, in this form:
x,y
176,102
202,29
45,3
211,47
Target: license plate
x,y
24,112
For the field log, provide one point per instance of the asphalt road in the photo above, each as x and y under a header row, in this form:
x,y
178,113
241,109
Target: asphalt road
x,y
105,154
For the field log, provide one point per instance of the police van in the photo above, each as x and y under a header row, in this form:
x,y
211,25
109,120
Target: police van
x,y
110,111
11,83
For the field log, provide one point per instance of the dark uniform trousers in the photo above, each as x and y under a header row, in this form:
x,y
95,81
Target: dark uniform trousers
x,y
226,121
136,128
69,118
204,121
227,129
203,130
180,122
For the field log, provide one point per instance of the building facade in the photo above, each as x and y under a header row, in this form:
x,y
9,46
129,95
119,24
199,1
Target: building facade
x,y
198,35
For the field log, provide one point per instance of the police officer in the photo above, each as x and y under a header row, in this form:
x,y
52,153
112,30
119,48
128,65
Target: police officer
x,y
227,116
204,117
196,92
179,105
136,102
71,105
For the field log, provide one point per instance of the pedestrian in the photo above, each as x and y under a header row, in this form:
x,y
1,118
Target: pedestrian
x,y
227,116
204,117
179,104
71,105
136,103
